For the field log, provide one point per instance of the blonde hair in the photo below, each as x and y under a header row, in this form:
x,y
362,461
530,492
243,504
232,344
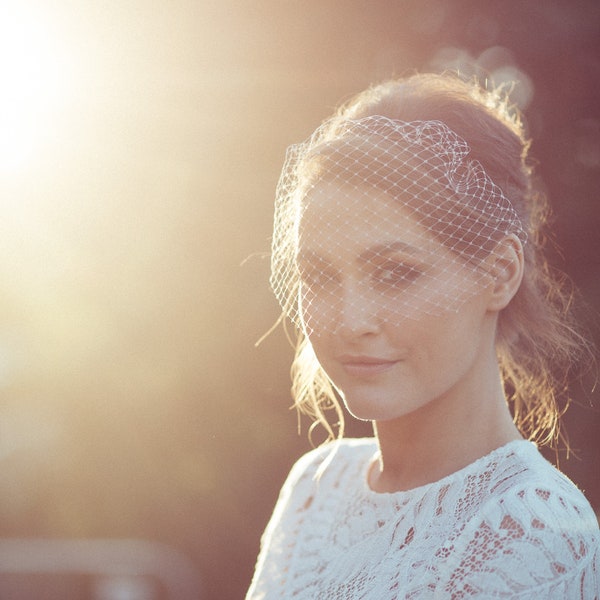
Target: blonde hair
x,y
538,340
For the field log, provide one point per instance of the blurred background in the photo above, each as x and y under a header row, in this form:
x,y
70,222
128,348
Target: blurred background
x,y
140,145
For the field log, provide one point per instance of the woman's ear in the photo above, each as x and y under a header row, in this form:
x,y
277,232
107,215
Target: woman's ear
x,y
507,272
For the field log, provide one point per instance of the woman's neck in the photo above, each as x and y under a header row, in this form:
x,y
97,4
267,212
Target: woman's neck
x,y
443,436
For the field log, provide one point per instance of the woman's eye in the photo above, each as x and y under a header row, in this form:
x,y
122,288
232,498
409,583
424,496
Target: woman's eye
x,y
395,274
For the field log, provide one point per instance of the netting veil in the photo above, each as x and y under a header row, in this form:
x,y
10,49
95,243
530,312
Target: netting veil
x,y
379,219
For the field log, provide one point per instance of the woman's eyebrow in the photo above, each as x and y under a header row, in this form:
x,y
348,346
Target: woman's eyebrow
x,y
384,249
309,256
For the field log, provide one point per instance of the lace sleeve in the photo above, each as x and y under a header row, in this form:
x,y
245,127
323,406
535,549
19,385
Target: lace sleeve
x,y
278,540
530,544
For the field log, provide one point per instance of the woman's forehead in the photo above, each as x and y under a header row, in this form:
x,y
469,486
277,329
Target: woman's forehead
x,y
344,216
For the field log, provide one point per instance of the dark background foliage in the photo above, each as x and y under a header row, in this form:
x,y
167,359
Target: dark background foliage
x,y
133,248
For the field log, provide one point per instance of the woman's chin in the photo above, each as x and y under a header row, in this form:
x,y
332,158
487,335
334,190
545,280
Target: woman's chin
x,y
367,411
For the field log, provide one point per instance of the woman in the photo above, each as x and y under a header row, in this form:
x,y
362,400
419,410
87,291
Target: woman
x,y
407,252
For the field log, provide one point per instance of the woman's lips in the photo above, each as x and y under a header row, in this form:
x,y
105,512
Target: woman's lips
x,y
365,366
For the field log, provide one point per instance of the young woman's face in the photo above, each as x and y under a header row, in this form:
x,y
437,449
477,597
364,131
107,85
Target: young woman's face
x,y
395,318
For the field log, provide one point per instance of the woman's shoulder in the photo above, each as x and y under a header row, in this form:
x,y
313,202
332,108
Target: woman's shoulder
x,y
324,466
334,456
524,476
533,525
526,497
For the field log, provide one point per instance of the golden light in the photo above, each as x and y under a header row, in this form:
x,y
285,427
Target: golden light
x,y
34,71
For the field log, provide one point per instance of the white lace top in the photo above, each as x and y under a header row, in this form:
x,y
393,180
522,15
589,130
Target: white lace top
x,y
507,526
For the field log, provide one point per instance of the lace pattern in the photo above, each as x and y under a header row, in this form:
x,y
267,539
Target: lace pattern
x,y
507,526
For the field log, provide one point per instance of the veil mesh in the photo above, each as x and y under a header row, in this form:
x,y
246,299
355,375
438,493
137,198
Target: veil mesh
x,y
383,219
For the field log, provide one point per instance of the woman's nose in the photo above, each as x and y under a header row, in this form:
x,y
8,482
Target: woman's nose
x,y
357,311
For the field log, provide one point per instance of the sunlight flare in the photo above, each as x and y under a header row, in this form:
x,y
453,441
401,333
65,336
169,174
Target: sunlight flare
x,y
34,69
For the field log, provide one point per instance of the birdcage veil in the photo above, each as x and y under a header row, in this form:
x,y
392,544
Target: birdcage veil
x,y
438,214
